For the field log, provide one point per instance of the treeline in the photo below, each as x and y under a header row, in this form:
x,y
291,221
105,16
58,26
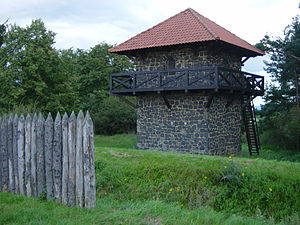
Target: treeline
x,y
280,123
34,76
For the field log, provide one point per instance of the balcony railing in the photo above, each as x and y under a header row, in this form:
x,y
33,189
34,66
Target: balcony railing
x,y
212,78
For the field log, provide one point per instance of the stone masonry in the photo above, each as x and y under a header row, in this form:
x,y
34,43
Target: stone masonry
x,y
188,126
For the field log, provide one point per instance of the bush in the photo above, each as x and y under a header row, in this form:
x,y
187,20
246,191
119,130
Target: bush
x,y
283,129
114,117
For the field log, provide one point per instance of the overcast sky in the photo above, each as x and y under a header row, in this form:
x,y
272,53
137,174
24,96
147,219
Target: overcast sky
x,y
85,23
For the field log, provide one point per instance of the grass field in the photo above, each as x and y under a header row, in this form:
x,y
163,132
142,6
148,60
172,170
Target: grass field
x,y
151,187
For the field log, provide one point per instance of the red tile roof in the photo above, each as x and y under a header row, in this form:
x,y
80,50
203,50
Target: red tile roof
x,y
185,27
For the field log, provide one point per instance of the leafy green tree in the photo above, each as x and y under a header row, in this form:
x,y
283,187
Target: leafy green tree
x,y
36,76
97,65
30,69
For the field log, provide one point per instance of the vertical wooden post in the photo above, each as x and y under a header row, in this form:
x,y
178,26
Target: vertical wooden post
x,y
28,155
88,163
5,172
15,154
65,160
57,158
49,156
1,163
72,159
34,155
21,154
10,153
79,160
40,154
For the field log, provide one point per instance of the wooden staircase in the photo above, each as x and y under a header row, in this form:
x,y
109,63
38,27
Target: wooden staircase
x,y
250,125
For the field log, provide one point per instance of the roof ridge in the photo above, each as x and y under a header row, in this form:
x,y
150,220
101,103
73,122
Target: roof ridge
x,y
196,15
151,28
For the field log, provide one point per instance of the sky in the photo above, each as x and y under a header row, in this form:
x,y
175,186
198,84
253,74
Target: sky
x,y
85,23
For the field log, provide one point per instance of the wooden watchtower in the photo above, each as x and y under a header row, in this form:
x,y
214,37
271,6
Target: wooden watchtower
x,y
190,90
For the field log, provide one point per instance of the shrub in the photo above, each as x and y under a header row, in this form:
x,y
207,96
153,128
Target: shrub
x,y
114,117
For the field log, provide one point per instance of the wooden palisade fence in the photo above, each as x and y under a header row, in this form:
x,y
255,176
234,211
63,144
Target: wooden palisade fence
x,y
55,158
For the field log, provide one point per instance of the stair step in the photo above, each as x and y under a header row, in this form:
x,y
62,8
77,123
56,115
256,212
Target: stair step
x,y
250,126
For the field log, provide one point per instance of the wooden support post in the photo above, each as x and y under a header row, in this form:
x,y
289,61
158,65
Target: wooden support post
x,y
34,155
65,160
57,158
10,153
1,161
72,159
15,154
41,147
48,158
3,144
28,185
88,163
21,154
79,160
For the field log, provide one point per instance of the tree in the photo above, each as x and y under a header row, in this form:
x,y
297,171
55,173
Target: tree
x,y
30,69
281,122
36,76
97,65
285,62
2,32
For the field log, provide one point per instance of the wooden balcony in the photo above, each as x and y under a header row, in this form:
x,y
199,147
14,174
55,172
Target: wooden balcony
x,y
207,79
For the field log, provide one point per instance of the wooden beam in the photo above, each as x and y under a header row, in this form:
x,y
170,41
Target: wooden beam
x,y
126,101
244,60
166,101
230,100
209,101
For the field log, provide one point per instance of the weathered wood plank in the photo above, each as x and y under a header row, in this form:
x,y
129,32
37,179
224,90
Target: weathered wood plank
x,y
21,154
10,153
72,159
88,163
40,155
4,147
57,158
28,155
1,163
15,153
49,156
33,149
79,160
65,159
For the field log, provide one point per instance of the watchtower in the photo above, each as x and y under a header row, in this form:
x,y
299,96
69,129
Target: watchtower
x,y
190,90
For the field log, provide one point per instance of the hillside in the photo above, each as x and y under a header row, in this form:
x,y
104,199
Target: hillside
x,y
150,187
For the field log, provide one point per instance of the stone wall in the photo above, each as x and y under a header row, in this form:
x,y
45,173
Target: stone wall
x,y
189,127
185,58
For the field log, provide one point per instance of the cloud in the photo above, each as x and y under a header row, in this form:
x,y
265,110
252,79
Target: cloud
x,y
114,20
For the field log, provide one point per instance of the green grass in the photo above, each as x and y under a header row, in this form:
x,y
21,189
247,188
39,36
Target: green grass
x,y
151,187
272,153
116,141
22,210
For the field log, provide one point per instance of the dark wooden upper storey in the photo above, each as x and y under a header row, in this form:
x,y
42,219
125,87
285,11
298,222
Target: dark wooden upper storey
x,y
187,28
